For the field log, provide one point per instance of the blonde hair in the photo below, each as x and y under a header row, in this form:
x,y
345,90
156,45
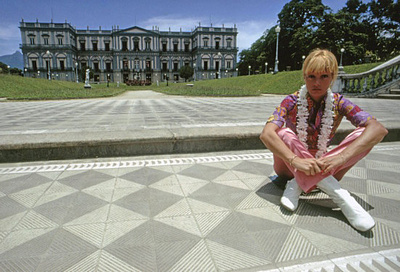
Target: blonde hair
x,y
321,61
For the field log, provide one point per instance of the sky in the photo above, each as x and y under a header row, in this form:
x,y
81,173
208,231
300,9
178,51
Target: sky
x,y
252,17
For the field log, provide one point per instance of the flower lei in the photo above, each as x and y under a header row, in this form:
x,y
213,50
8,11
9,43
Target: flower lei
x,y
326,122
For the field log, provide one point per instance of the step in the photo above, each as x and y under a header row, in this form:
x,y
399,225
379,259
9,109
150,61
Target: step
x,y
395,91
389,96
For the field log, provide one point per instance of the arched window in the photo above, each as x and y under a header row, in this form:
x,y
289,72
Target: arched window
x,y
124,44
136,44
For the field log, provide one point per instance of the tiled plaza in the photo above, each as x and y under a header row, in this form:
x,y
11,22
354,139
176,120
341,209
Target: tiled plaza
x,y
204,212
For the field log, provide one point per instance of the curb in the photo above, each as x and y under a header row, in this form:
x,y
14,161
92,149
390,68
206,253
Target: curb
x,y
151,142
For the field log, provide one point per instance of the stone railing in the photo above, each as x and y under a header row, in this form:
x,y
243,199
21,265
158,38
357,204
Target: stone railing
x,y
370,83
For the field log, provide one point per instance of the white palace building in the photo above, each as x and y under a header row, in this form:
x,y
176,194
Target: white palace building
x,y
60,51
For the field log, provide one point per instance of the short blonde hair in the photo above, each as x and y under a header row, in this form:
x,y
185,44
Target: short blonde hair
x,y
320,61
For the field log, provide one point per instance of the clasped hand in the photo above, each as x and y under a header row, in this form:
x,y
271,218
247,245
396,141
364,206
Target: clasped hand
x,y
312,166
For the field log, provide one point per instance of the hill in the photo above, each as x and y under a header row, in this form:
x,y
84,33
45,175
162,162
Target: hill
x,y
14,60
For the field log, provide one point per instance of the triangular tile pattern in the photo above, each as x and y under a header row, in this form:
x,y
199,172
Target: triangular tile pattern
x,y
186,216
297,247
196,259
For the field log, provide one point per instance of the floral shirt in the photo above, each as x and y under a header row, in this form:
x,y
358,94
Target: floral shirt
x,y
286,113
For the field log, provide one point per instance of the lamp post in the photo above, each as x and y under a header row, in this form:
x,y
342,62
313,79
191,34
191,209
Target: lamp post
x,y
219,65
266,67
8,68
249,69
237,72
76,72
341,69
277,30
48,54
194,71
26,70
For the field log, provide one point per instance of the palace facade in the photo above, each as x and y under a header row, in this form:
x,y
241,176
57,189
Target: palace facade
x,y
60,51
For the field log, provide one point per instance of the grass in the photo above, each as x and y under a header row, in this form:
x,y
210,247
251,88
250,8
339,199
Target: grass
x,y
285,82
20,88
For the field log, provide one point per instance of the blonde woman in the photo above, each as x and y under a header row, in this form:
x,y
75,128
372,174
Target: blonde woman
x,y
300,130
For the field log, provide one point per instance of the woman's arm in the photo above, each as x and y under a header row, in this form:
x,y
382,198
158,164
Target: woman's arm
x,y
274,143
374,133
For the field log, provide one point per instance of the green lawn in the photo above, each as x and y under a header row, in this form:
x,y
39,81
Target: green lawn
x,y
20,88
253,85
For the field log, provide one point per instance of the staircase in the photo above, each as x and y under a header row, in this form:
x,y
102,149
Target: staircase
x,y
381,82
393,93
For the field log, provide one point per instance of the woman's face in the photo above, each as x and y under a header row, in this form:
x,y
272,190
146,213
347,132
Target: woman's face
x,y
317,84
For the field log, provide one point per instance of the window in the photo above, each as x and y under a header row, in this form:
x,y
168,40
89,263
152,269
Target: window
x,y
96,66
228,65
108,66
83,45
186,47
125,65
229,43
62,65
137,64
136,45
175,66
107,46
124,45
32,40
217,45
60,41
148,42
34,65
164,47
46,41
164,66
205,65
94,45
148,65
205,42
175,47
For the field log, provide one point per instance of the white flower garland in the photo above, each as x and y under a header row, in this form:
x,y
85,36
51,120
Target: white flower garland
x,y
326,122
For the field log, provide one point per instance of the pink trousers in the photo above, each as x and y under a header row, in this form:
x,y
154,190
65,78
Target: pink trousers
x,y
307,183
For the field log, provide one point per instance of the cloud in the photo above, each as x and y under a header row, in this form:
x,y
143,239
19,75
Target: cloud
x,y
175,22
9,32
249,31
10,38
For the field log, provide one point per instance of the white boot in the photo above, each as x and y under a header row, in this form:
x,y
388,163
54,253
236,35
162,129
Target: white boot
x,y
290,197
352,210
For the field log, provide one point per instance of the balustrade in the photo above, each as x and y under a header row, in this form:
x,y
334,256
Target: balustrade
x,y
372,81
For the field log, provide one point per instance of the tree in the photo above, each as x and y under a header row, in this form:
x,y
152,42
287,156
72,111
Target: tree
x,y
186,72
5,70
299,20
362,29
385,18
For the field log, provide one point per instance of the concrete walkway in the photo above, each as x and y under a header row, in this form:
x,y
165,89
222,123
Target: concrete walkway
x,y
145,122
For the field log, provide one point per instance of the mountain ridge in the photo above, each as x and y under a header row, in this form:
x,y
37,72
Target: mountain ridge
x,y
14,60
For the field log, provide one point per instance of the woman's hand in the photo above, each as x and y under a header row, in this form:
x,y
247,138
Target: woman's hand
x,y
331,162
309,166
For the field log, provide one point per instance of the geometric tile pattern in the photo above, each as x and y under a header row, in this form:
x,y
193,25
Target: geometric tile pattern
x,y
214,212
